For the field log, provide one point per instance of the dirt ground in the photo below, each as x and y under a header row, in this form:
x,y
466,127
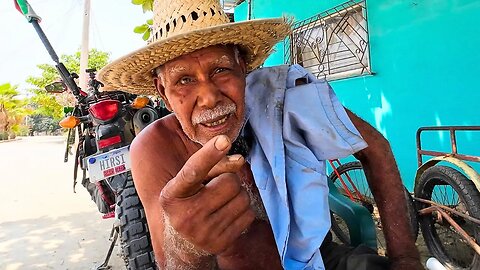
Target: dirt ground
x,y
43,224
420,243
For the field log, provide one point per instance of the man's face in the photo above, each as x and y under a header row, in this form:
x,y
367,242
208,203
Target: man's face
x,y
206,91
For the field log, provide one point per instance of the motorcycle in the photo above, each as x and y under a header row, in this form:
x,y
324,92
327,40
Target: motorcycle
x,y
105,124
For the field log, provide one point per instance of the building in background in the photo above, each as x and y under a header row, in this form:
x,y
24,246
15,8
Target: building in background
x,y
398,64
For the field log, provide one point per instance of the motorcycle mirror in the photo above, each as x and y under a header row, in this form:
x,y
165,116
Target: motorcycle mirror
x,y
56,87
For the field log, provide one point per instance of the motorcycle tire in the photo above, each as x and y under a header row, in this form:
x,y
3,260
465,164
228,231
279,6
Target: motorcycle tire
x,y
355,171
449,187
135,238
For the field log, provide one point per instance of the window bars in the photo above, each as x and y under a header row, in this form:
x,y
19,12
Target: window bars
x,y
332,44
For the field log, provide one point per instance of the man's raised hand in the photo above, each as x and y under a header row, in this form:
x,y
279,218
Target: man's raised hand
x,y
205,202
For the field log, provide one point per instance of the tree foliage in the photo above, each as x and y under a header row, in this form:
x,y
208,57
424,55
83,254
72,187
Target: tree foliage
x,y
44,124
96,60
47,105
144,29
13,110
147,5
52,105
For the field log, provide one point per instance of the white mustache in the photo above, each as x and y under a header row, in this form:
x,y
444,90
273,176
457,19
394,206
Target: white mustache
x,y
211,114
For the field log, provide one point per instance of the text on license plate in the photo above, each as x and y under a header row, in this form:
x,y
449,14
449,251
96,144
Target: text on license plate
x,y
108,164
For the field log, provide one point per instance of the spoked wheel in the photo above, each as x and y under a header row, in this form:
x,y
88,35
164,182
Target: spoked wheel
x,y
448,187
354,185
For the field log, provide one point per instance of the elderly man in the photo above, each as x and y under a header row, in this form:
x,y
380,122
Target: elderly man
x,y
235,178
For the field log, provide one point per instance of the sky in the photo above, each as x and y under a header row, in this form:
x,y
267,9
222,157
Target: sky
x,y
21,50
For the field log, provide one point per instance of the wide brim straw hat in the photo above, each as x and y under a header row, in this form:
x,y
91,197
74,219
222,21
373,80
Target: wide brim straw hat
x,y
184,26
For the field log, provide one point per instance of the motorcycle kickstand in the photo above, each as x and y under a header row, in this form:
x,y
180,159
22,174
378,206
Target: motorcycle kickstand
x,y
113,233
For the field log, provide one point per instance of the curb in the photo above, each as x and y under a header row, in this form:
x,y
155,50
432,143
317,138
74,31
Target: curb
x,y
5,141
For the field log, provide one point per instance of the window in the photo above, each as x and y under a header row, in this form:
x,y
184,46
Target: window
x,y
333,44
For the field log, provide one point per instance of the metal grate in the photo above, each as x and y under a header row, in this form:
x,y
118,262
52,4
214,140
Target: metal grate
x,y
230,4
332,44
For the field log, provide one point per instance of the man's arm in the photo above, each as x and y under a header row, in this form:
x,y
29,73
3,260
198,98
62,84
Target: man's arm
x,y
148,163
386,185
189,220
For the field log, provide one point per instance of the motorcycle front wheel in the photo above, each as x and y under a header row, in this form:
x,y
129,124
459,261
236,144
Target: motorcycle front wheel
x,y
135,238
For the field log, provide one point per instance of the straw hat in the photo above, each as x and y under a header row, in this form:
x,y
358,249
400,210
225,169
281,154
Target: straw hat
x,y
184,26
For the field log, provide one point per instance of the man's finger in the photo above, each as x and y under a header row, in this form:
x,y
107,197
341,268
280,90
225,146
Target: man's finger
x,y
189,179
237,227
228,164
229,212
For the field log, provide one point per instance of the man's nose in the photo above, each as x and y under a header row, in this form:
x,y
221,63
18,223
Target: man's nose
x,y
209,94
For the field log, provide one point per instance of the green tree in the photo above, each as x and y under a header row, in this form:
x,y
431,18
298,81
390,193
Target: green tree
x,y
41,123
47,105
96,59
12,110
52,105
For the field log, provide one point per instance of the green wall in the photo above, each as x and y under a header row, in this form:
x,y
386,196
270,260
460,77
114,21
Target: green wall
x,y
425,58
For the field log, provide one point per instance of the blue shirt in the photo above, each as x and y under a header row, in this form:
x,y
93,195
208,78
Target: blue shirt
x,y
295,130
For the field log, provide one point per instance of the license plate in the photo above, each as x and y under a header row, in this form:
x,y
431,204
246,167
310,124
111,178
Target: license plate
x,y
108,164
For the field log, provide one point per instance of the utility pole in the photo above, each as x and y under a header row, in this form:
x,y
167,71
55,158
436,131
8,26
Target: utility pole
x,y
84,47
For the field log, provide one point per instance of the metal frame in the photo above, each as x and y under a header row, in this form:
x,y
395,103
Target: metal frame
x,y
353,58
443,212
453,157
228,4
453,141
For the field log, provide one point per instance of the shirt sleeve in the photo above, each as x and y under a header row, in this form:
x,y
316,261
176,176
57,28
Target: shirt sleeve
x,y
320,119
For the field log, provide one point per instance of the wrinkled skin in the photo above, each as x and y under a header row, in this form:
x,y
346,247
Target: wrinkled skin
x,y
195,83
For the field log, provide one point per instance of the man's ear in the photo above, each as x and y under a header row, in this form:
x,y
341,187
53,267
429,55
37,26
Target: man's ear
x,y
161,92
243,66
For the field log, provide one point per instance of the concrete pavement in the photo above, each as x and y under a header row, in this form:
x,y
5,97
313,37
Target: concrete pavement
x,y
43,224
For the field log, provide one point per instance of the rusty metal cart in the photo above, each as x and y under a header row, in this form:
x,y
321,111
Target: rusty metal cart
x,y
448,201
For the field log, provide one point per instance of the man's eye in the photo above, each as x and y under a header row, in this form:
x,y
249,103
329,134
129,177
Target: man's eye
x,y
220,70
185,80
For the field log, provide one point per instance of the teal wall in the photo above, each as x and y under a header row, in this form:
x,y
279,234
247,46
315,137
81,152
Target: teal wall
x,y
425,56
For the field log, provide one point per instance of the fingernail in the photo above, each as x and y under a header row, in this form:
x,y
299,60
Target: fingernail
x,y
222,142
235,157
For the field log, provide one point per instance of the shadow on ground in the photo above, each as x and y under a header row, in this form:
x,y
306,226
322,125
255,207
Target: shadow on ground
x,y
54,243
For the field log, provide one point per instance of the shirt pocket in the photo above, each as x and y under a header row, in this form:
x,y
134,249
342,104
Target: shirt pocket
x,y
261,173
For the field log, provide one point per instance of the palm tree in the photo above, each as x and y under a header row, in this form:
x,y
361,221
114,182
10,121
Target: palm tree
x,y
12,110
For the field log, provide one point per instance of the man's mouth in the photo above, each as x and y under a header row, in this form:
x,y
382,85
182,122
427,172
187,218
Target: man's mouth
x,y
216,122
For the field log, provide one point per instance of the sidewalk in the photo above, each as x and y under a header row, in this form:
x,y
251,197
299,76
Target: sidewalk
x,y
11,140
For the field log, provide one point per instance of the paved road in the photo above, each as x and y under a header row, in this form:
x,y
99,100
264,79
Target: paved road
x,y
43,224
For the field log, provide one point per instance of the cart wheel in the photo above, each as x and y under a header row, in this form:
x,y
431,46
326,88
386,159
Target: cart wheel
x,y
355,173
448,187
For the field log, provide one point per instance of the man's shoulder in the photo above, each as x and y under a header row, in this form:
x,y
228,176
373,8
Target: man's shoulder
x,y
157,132
161,146
281,76
162,137
268,71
